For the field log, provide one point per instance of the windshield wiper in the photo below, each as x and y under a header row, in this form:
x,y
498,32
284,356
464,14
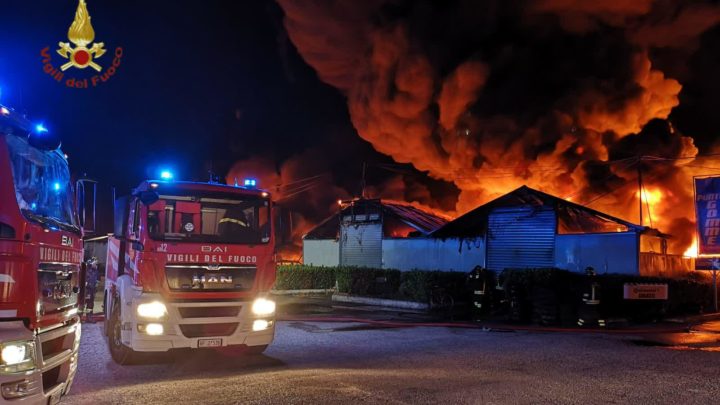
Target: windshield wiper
x,y
46,222
64,225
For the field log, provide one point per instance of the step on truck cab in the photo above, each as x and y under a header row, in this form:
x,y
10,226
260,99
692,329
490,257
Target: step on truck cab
x,y
190,265
40,264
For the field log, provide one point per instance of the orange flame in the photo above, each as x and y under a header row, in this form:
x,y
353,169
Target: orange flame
x,y
692,251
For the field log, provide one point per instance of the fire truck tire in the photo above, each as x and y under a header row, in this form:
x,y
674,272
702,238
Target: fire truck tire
x,y
106,329
120,353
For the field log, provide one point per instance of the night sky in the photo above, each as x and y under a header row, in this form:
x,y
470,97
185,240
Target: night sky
x,y
200,86
464,100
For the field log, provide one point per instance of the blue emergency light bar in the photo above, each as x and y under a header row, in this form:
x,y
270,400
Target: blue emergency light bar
x,y
40,129
250,182
166,175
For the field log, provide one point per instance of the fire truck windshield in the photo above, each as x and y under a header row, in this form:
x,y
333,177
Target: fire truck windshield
x,y
42,185
206,218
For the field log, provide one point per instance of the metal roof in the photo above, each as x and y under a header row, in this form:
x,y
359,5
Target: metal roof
x,y
423,221
578,218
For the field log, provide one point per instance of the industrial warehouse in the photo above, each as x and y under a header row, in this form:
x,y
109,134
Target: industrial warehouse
x,y
525,228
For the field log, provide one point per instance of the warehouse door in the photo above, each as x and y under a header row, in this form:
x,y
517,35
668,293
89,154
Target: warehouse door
x,y
520,238
361,244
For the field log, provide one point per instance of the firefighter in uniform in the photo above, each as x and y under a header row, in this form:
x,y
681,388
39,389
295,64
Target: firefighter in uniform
x,y
234,222
590,310
91,280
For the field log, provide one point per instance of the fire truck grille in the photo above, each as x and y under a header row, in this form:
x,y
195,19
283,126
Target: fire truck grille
x,y
208,312
51,378
55,346
208,329
210,278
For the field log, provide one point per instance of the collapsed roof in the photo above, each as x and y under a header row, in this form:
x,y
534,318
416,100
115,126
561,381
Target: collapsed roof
x,y
394,216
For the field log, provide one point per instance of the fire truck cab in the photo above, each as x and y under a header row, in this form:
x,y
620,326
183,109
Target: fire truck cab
x,y
190,266
40,264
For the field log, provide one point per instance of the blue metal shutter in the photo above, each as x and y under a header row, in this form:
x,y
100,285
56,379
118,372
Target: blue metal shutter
x,y
361,244
521,238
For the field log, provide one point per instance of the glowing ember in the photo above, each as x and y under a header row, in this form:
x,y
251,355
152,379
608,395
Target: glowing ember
x,y
692,251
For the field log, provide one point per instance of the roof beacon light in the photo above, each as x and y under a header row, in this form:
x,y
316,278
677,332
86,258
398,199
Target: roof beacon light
x,y
166,175
251,183
40,129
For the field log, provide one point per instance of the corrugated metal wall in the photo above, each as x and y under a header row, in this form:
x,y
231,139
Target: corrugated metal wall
x,y
361,244
521,238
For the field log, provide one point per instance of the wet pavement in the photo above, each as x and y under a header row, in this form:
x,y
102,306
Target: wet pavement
x,y
348,362
701,337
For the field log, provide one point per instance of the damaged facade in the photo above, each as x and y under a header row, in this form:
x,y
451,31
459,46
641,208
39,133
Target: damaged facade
x,y
380,234
527,228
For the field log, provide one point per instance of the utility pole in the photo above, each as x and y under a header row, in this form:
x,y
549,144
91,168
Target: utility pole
x,y
640,189
362,183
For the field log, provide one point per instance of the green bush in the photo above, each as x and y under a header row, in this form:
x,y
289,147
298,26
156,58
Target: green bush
x,y
368,281
301,277
417,285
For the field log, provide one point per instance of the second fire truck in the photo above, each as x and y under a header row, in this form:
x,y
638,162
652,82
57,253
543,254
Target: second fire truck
x,y
190,265
40,264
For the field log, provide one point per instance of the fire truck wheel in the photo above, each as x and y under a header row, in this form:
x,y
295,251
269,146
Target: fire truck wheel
x,y
120,353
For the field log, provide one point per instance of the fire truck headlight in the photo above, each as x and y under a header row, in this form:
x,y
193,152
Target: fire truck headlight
x,y
260,324
17,356
154,329
154,310
263,307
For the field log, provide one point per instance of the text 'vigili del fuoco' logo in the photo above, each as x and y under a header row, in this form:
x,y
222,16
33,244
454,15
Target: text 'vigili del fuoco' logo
x,y
81,53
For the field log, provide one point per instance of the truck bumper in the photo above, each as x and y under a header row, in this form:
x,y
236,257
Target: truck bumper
x,y
198,325
56,354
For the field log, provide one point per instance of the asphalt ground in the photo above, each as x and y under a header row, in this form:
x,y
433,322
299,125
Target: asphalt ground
x,y
333,362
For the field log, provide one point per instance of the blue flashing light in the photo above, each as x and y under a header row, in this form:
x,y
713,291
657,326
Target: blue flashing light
x,y
33,206
56,186
166,175
250,182
40,129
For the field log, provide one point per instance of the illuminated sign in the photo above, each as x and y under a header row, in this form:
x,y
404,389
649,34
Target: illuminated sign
x,y
707,195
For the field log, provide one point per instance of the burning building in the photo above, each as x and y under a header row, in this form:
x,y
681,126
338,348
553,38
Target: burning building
x,y
527,228
383,234
573,98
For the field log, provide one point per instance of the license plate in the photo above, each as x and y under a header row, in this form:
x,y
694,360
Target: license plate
x,y
55,398
209,342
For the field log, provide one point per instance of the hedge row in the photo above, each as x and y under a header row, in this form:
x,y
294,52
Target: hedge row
x,y
547,296
300,277
553,296
413,285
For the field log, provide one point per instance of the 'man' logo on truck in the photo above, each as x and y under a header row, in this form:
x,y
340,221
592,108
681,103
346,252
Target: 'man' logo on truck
x,y
210,249
66,241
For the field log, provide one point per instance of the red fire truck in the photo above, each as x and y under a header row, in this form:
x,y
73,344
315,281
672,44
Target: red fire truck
x,y
40,264
190,266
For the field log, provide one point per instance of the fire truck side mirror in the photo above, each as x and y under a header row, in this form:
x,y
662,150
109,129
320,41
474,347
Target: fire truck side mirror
x,y
120,217
85,198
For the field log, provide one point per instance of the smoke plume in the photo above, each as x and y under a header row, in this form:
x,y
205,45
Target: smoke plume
x,y
561,95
